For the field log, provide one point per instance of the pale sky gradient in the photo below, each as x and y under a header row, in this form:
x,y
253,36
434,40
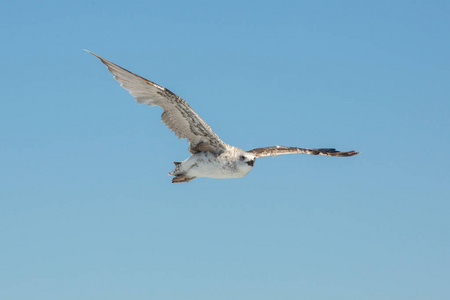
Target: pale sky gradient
x,y
87,210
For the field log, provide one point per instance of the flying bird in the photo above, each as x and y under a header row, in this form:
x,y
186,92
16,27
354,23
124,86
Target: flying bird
x,y
211,157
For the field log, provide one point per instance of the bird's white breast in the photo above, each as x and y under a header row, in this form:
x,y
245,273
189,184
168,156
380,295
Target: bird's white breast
x,y
206,164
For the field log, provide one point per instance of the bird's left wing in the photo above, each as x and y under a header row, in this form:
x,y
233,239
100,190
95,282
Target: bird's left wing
x,y
177,115
278,150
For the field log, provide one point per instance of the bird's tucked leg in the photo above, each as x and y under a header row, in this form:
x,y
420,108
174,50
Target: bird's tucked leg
x,y
181,178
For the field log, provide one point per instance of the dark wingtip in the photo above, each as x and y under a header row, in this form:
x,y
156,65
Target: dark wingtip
x,y
349,153
339,153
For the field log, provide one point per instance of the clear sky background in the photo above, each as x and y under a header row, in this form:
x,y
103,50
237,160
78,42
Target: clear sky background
x,y
87,210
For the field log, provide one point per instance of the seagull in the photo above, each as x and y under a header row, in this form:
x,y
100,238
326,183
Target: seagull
x,y
211,157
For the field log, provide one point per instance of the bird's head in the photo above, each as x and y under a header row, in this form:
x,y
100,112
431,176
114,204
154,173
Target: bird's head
x,y
246,159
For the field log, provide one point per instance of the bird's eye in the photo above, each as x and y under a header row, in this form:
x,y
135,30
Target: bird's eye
x,y
242,157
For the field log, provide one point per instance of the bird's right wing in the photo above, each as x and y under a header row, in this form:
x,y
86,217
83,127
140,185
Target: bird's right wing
x,y
177,115
279,150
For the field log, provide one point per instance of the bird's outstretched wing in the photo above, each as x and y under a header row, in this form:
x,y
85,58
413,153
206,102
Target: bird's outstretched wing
x,y
177,115
278,150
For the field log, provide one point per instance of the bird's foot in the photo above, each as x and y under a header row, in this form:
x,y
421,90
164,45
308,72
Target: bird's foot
x,y
181,178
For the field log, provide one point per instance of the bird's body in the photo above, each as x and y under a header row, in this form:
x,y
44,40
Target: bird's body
x,y
232,163
211,157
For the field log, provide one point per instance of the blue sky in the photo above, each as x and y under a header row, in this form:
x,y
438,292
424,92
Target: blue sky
x,y
87,210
